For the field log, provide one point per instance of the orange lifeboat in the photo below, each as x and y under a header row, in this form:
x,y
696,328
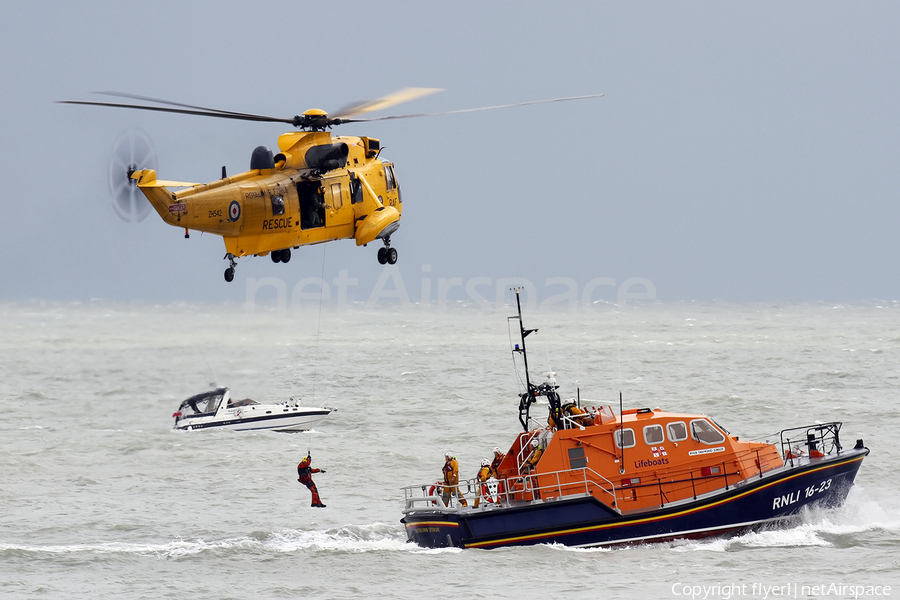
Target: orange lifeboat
x,y
592,477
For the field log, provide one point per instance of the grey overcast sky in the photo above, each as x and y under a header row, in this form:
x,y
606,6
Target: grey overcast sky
x,y
745,151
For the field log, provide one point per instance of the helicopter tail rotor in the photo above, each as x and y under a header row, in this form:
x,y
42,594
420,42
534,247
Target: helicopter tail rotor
x,y
132,150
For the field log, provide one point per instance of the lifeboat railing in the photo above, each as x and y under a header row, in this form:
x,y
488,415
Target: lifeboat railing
x,y
819,440
520,489
527,488
691,477
543,436
568,482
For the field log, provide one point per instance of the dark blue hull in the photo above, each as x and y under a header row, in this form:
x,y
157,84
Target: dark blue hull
x,y
585,521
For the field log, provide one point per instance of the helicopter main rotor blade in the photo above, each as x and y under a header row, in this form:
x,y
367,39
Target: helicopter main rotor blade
x,y
313,121
392,99
398,97
470,110
170,103
187,111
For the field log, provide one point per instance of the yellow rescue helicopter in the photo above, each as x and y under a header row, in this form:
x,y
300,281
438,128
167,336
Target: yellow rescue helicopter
x,y
317,188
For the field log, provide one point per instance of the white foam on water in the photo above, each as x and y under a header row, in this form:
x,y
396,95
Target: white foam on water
x,y
351,538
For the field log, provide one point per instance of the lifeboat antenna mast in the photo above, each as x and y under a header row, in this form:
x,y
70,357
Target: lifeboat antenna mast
x,y
548,388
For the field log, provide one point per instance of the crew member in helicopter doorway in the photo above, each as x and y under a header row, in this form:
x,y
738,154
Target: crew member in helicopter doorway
x,y
304,472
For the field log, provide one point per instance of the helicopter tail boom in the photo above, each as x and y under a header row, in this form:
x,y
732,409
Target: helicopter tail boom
x,y
161,198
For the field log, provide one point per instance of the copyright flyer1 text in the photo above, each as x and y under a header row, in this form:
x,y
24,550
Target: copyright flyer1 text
x,y
763,591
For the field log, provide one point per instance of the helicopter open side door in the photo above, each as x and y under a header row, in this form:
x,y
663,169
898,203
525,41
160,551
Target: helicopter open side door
x,y
312,204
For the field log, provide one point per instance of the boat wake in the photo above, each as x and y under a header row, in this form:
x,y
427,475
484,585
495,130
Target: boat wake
x,y
859,518
347,539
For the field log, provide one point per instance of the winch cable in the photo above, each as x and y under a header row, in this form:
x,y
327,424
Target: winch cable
x,y
316,354
318,325
210,380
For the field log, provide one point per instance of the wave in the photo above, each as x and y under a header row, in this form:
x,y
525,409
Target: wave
x,y
347,539
860,517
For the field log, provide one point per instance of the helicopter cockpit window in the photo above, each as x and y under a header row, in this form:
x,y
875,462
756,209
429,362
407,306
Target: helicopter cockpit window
x,y
277,205
355,191
389,181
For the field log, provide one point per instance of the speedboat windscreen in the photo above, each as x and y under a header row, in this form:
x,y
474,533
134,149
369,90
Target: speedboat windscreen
x,y
206,403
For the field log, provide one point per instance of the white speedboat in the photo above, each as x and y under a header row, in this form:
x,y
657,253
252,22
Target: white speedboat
x,y
216,408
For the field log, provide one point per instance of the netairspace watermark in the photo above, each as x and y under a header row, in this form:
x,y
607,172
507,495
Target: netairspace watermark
x,y
762,591
483,292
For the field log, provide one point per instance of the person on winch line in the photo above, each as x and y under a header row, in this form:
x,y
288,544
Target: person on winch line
x,y
304,471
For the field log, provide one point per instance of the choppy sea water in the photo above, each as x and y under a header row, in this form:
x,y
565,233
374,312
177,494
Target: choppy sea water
x,y
102,500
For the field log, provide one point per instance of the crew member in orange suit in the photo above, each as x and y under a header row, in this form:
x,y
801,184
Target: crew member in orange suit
x,y
495,465
451,480
484,473
495,469
304,471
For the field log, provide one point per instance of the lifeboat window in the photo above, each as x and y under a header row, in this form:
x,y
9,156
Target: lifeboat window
x,y
653,435
703,431
676,431
624,438
576,458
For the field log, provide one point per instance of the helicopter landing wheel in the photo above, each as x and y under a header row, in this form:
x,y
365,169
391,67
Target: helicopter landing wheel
x,y
391,255
383,255
276,256
229,272
286,255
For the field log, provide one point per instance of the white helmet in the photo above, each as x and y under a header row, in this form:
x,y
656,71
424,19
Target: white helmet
x,y
497,450
484,462
535,443
447,455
